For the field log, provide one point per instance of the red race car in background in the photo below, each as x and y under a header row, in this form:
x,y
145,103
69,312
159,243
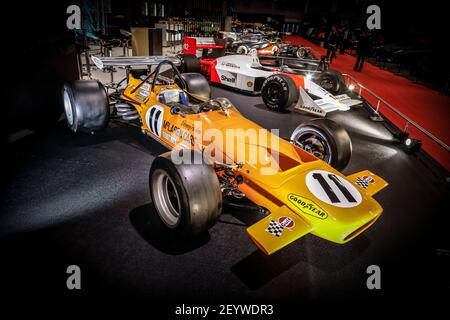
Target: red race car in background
x,y
260,46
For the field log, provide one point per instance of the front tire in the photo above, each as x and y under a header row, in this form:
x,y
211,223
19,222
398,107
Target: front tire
x,y
279,92
186,197
326,140
86,105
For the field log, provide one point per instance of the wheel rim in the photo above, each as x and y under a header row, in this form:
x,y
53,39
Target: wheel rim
x,y
242,50
274,90
326,83
166,198
68,107
315,143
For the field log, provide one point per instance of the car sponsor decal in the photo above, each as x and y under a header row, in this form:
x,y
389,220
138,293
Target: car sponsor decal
x,y
310,109
332,189
307,206
154,118
230,64
168,137
364,181
142,95
179,132
228,77
276,228
145,86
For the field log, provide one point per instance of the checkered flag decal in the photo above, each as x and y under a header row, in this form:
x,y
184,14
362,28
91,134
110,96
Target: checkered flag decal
x,y
275,228
362,182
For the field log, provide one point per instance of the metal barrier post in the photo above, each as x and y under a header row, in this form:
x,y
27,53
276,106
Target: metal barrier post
x,y
402,115
376,114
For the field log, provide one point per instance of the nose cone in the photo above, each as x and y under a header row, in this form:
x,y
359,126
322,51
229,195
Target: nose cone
x,y
338,209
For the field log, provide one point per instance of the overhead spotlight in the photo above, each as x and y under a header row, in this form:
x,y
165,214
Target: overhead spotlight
x,y
411,144
351,87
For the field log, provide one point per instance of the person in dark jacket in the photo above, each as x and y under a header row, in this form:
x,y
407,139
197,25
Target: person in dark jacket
x,y
332,41
362,50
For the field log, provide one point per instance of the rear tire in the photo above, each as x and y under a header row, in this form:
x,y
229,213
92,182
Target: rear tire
x,y
189,63
86,105
186,197
332,81
325,139
279,92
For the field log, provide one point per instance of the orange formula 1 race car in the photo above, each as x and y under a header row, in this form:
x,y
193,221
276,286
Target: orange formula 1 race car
x,y
217,154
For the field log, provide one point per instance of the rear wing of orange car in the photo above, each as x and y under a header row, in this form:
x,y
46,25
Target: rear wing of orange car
x,y
133,61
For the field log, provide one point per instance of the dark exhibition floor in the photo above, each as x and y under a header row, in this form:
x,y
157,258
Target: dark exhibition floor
x,y
84,200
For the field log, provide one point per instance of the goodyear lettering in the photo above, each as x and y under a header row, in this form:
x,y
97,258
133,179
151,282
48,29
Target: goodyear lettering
x,y
307,206
312,109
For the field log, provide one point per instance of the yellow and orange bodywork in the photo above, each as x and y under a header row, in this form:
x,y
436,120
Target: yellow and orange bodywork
x,y
270,50
285,193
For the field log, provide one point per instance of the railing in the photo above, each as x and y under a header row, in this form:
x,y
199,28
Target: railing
x,y
359,88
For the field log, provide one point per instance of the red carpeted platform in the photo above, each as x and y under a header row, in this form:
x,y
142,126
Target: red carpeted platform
x,y
429,108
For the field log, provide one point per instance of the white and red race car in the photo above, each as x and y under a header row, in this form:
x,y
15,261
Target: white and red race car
x,y
280,87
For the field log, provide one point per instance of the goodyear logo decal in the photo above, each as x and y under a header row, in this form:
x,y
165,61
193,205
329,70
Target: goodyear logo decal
x,y
307,206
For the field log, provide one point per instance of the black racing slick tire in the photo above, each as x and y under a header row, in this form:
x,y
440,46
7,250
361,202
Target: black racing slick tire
x,y
332,81
279,92
186,197
86,105
325,139
189,63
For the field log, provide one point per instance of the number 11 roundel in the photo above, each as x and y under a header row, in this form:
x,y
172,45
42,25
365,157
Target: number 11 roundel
x,y
332,189
154,118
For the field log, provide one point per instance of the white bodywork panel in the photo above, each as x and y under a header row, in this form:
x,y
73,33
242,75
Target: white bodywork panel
x,y
326,102
241,71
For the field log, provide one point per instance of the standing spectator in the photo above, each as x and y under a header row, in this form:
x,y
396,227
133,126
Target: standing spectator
x,y
332,44
363,50
344,43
